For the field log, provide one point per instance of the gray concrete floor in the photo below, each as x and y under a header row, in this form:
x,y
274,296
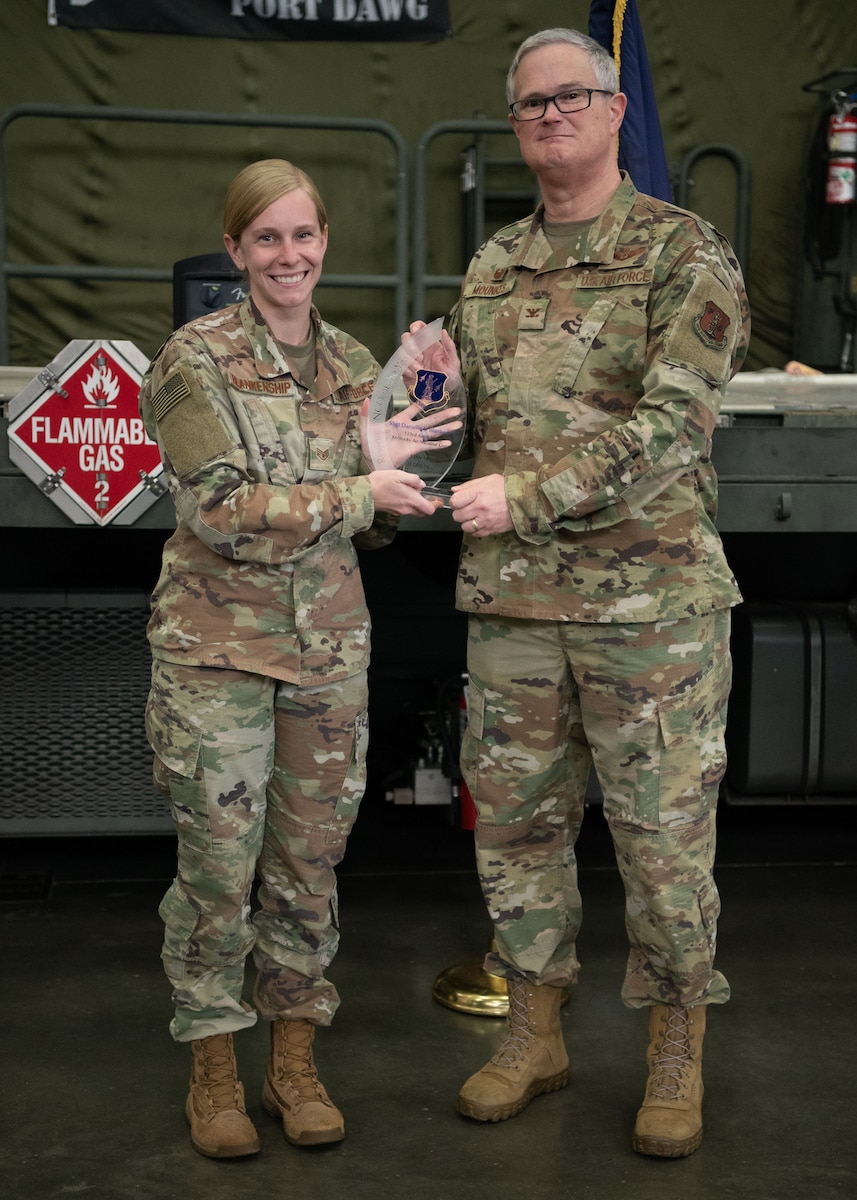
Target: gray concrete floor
x,y
92,1088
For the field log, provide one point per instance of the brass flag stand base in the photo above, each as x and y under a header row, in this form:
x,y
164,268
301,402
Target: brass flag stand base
x,y
467,987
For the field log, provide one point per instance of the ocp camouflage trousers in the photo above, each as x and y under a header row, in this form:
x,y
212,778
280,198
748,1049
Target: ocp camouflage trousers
x,y
645,706
263,777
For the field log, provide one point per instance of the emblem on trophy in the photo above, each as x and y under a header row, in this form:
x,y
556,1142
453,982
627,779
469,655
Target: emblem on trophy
x,y
416,412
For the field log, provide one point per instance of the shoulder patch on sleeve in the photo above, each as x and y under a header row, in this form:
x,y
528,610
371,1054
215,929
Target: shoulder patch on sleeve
x,y
711,325
169,394
705,331
190,429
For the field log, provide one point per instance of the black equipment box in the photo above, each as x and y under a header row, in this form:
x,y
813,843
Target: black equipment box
x,y
792,727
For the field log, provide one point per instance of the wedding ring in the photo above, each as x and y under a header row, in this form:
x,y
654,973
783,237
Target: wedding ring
x,y
475,525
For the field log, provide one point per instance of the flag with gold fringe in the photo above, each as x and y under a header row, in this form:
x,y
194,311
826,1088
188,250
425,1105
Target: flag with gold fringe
x,y
615,24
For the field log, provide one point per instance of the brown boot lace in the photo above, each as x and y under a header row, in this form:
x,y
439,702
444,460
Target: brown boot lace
x,y
669,1123
293,1058
522,1035
668,1072
217,1074
530,1061
293,1091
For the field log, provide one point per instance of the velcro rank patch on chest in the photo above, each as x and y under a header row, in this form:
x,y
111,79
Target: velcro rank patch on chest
x,y
533,314
320,454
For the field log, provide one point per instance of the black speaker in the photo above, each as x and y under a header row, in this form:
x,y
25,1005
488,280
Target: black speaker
x,y
203,284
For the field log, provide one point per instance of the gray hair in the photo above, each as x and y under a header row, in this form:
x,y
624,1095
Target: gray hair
x,y
602,63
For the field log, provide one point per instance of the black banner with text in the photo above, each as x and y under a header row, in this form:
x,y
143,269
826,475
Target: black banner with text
x,y
285,20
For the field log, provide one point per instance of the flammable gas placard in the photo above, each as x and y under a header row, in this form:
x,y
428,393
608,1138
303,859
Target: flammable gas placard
x,y
76,432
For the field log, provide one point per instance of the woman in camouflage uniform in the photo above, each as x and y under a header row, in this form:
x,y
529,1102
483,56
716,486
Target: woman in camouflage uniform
x,y
260,640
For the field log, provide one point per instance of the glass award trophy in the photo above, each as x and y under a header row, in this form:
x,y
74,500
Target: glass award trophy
x,y
409,426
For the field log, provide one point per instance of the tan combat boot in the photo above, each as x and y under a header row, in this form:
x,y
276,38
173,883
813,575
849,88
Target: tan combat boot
x,y
219,1125
293,1090
669,1123
532,1060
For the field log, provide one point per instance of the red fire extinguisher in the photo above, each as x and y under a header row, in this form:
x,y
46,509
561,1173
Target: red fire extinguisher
x,y
842,155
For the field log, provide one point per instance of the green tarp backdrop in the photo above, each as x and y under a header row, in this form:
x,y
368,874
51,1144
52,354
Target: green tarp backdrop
x,y
145,195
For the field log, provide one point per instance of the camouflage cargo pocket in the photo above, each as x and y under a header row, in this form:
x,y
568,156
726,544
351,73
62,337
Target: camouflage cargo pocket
x,y
678,757
354,783
488,774
472,736
179,916
693,728
172,736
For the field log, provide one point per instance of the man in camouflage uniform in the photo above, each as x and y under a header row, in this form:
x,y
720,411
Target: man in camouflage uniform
x,y
596,338
260,639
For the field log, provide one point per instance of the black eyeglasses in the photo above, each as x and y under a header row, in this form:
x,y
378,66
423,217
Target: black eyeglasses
x,y
574,100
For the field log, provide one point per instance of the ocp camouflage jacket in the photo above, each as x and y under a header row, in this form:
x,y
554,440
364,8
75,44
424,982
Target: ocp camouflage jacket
x,y
270,489
594,384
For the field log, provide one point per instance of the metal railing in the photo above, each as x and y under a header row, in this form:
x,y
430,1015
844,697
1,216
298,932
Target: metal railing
x,y
422,281
742,191
397,281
